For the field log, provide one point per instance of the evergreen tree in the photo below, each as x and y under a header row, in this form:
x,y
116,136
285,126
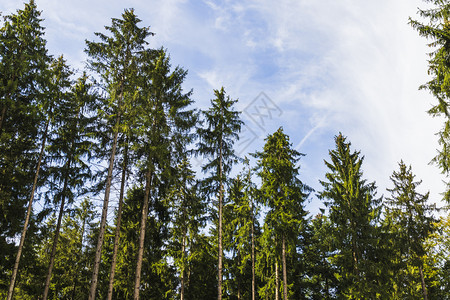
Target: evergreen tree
x,y
24,115
411,219
437,29
117,59
354,212
188,217
216,143
163,131
284,194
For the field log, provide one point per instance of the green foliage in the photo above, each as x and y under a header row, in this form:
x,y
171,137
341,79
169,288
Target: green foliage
x,y
354,212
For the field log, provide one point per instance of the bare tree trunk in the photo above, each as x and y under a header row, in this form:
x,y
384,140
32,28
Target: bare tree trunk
x,y
27,219
101,235
137,281
424,287
119,219
75,280
253,251
2,117
183,249
219,286
277,281
283,255
55,239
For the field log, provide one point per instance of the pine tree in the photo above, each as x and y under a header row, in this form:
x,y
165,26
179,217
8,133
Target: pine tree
x,y
117,59
354,212
216,143
283,193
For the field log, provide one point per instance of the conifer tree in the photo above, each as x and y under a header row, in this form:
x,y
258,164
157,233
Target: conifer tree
x,y
25,113
163,131
117,59
216,143
437,30
70,145
283,193
412,221
354,212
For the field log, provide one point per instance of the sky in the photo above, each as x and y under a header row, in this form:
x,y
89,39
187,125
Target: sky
x,y
316,68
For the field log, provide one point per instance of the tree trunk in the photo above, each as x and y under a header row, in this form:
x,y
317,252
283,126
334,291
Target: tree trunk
x,y
137,281
27,219
277,281
253,251
183,249
283,257
75,280
424,287
2,117
219,286
101,235
119,219
55,239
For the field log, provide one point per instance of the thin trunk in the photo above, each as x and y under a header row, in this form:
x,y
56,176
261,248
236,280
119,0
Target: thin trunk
x,y
283,257
183,249
219,286
55,239
2,117
119,219
75,280
277,281
27,219
424,287
253,252
238,277
101,235
137,281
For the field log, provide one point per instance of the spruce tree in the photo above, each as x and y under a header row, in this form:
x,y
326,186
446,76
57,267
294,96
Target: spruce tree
x,y
411,219
116,59
216,143
436,29
24,117
354,212
283,193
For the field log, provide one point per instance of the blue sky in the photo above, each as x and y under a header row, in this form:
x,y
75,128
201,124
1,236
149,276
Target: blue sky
x,y
323,67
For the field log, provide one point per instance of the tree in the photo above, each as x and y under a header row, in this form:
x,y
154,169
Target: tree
x,y
116,59
283,193
411,219
354,212
163,132
188,216
216,142
438,31
25,113
69,146
240,215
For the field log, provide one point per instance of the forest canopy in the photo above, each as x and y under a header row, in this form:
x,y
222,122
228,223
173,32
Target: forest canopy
x,y
99,197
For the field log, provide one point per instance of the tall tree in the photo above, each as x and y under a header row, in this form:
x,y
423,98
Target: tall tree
x,y
354,211
412,221
283,193
188,216
437,30
24,116
216,143
163,131
70,145
116,59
